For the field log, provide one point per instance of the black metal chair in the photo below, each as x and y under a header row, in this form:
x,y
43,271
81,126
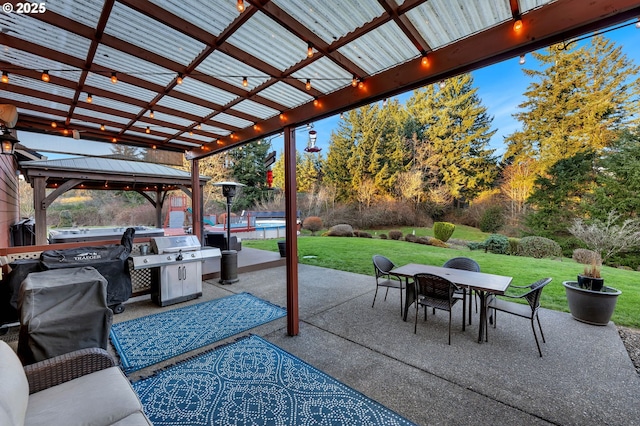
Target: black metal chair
x,y
435,292
530,311
466,264
384,278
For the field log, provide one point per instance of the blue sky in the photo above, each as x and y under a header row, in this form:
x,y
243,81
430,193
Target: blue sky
x,y
500,89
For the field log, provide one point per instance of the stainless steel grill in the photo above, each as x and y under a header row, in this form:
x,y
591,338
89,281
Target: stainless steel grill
x,y
176,268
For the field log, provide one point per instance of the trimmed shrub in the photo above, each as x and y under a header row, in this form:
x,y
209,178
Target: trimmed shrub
x,y
475,245
395,235
492,219
362,234
496,243
410,238
342,230
423,240
514,243
443,230
585,256
313,224
539,247
437,243
383,236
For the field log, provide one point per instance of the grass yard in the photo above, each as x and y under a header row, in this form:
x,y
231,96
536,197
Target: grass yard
x,y
354,255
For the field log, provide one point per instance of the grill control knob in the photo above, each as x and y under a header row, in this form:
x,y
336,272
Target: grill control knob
x,y
168,257
146,261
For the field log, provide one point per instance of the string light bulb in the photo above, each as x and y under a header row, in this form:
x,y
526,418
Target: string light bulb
x,y
45,76
354,81
102,127
522,60
114,140
240,6
360,84
147,130
425,60
442,84
316,102
179,79
89,98
310,50
308,85
151,114
54,124
517,25
5,77
114,78
199,126
245,82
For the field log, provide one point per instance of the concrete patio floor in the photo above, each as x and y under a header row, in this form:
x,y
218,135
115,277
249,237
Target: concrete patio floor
x,y
585,377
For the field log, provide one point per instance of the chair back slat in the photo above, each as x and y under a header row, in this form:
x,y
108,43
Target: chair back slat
x,y
382,265
533,295
463,263
434,286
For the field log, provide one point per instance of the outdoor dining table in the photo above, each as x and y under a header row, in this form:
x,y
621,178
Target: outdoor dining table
x,y
483,283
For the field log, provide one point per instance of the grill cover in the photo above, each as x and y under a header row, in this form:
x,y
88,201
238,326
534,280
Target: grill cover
x,y
61,311
109,260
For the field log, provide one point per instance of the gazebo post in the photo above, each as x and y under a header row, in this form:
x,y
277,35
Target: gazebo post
x,y
40,214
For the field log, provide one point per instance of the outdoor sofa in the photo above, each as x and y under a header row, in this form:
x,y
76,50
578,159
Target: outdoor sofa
x,y
84,387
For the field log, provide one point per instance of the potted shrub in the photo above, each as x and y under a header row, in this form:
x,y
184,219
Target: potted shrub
x,y
590,278
589,299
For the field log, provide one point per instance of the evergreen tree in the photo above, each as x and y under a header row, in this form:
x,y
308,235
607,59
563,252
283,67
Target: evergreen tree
x,y
452,137
581,96
310,172
559,197
341,145
278,171
249,169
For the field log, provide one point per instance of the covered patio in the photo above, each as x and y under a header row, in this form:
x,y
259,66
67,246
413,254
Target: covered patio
x,y
584,378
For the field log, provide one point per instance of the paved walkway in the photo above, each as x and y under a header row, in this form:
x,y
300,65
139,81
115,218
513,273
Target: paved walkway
x,y
584,378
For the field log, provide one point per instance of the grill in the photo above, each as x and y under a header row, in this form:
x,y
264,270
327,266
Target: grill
x,y
176,268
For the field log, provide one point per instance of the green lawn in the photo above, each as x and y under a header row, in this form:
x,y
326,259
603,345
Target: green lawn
x,y
354,255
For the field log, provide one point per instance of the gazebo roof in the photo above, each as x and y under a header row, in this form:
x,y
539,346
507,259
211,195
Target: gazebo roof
x,y
108,174
216,77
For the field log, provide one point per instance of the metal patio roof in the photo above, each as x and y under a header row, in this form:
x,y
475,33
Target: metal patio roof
x,y
215,77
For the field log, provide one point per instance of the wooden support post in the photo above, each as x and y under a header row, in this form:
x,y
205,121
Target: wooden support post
x,y
40,215
196,201
290,190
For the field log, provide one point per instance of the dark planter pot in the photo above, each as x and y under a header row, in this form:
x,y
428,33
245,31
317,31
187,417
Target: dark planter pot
x,y
282,248
590,283
589,306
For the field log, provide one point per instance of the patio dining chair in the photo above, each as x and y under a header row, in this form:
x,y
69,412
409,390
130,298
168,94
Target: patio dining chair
x,y
466,264
435,292
529,311
384,278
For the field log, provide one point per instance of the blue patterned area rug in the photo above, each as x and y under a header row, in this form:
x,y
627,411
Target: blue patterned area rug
x,y
148,340
253,382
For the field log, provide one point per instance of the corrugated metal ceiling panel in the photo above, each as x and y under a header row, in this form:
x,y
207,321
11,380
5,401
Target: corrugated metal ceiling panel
x,y
110,103
263,38
331,20
441,22
255,109
211,15
380,49
232,121
86,12
527,5
103,82
53,38
180,105
325,75
142,31
230,70
29,61
100,115
286,95
204,91
129,64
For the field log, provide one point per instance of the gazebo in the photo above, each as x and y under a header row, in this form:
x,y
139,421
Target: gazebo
x,y
107,174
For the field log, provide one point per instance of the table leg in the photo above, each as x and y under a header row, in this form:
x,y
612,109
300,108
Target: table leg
x,y
464,307
409,297
483,316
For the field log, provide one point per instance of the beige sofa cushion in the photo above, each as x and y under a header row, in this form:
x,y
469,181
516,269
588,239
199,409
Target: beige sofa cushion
x,y
14,388
101,398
